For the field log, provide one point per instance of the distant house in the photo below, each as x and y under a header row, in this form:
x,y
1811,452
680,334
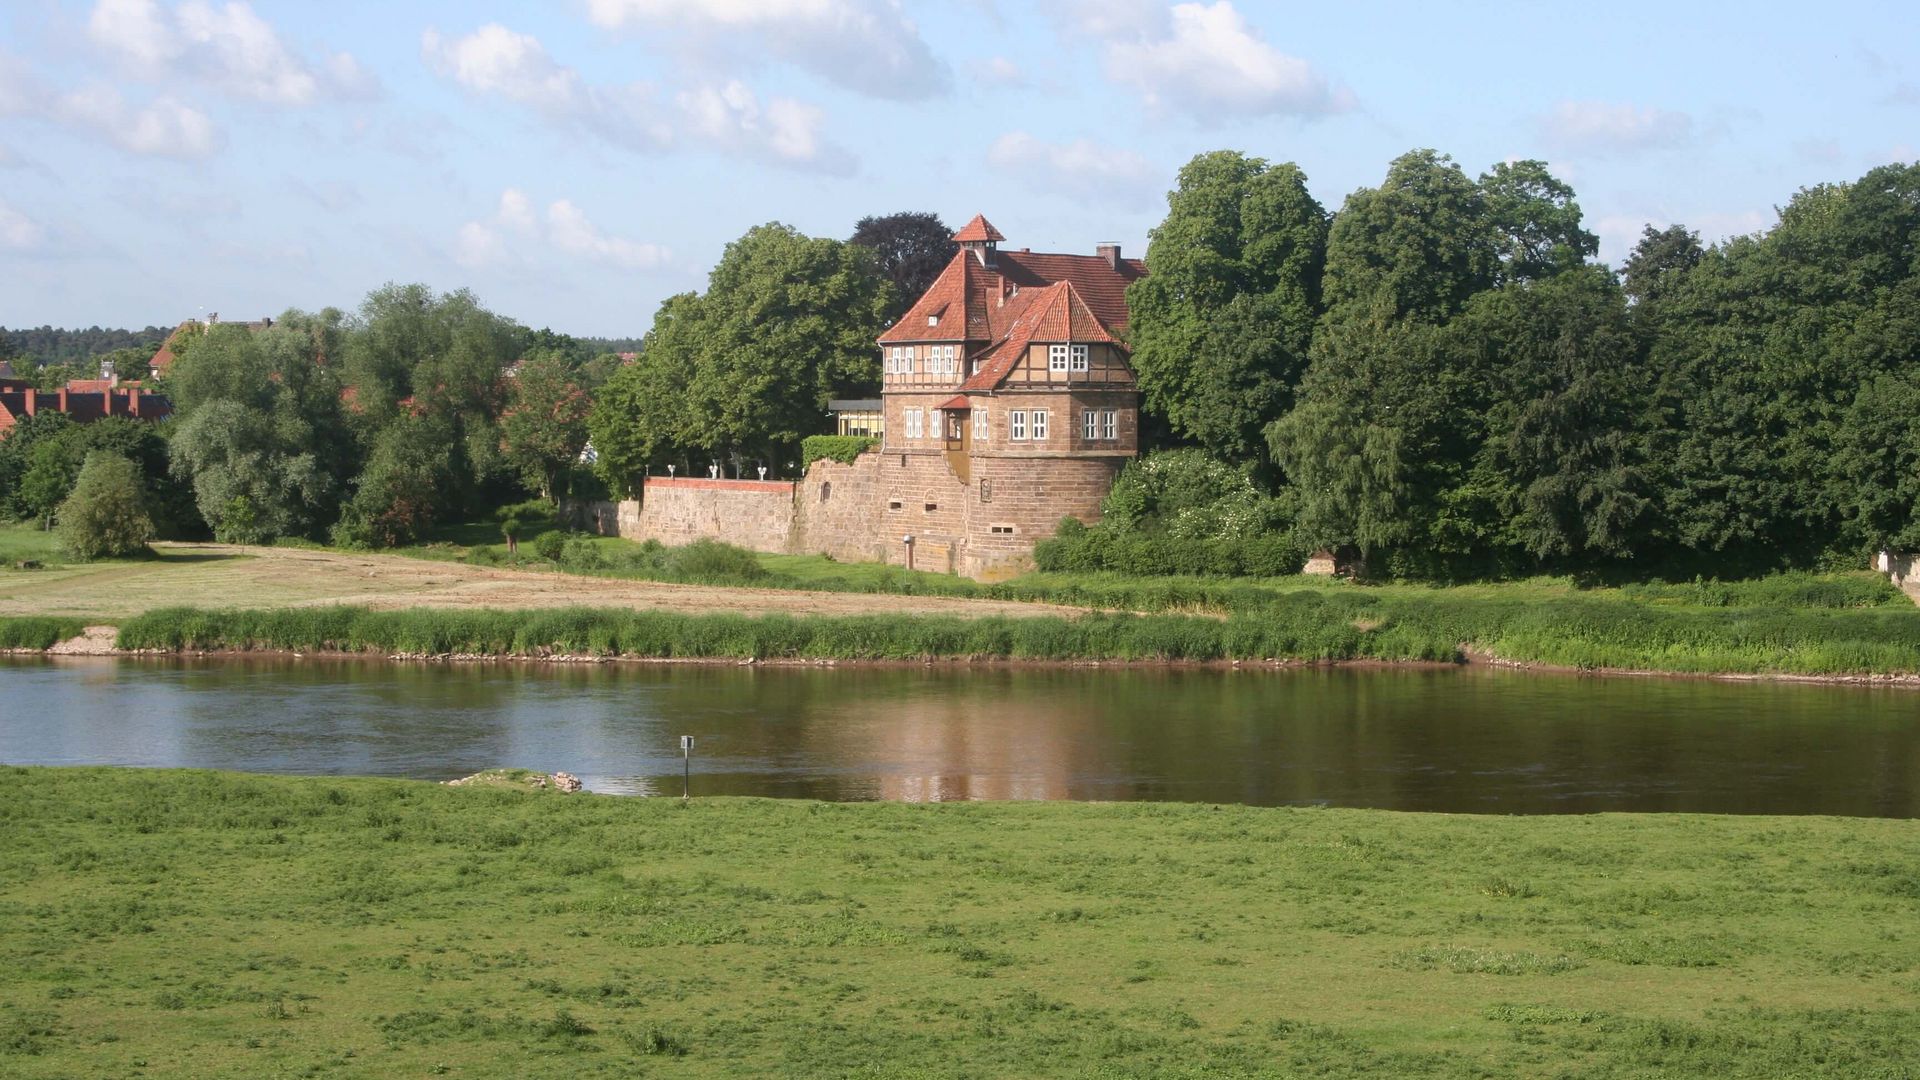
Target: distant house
x,y
85,400
163,357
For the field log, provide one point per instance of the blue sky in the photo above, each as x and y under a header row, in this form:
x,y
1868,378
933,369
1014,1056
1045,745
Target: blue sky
x,y
575,162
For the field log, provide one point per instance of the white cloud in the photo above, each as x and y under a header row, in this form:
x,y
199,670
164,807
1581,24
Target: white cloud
x,y
869,46
571,232
163,127
495,61
1603,127
516,230
1108,19
1081,167
729,116
228,47
1000,71
17,231
1205,60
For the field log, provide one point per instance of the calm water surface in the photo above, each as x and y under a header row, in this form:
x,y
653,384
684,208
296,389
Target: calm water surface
x,y
1453,740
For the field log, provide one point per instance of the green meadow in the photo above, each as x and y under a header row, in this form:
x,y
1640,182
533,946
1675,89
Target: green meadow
x,y
217,925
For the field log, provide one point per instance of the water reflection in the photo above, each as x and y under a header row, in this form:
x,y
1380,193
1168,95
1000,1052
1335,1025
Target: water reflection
x,y
1450,740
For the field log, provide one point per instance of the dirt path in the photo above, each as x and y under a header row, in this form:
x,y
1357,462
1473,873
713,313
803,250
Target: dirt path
x,y
220,575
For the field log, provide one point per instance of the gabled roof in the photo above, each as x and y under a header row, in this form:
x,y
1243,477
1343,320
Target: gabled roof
x,y
1052,314
979,230
163,356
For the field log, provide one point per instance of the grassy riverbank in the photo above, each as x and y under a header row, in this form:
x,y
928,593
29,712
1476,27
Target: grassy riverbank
x,y
214,925
1577,632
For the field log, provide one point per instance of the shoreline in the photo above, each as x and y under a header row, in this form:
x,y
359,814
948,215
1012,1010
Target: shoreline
x,y
92,645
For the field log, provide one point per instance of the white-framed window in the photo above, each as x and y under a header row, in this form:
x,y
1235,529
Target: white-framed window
x,y
953,358
1100,424
1057,357
1017,425
1077,357
914,421
1039,422
933,320
893,359
1090,425
1110,424
933,423
980,424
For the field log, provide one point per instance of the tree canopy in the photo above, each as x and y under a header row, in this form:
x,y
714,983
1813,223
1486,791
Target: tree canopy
x,y
910,248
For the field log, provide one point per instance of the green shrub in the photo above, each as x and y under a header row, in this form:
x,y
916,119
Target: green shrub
x,y
550,545
841,448
713,562
106,516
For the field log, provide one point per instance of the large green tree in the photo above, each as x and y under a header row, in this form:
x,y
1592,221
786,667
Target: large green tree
x,y
544,425
1221,324
261,427
1538,231
742,372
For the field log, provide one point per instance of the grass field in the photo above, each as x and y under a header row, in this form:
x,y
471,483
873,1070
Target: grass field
x,y
212,925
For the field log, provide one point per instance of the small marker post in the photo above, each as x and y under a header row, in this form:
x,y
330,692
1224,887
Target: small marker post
x,y
686,766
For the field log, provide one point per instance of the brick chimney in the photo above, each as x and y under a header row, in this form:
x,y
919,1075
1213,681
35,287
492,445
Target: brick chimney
x,y
33,400
133,401
1110,253
62,399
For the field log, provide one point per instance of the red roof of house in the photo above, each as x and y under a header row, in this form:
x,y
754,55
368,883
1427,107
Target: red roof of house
x,y
979,229
163,356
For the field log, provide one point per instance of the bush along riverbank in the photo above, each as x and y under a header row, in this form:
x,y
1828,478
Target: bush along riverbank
x,y
1573,632
172,923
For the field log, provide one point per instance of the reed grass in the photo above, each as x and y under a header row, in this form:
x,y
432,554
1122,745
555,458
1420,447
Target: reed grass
x,y
1434,625
39,632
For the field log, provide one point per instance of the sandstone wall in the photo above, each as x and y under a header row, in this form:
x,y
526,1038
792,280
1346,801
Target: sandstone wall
x,y
755,514
1903,569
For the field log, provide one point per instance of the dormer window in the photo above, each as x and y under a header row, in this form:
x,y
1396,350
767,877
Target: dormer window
x,y
933,320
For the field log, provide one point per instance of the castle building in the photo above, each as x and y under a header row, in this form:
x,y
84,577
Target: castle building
x,y
1007,403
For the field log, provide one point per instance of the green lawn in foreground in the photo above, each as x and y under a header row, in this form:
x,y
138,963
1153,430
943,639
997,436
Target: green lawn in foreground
x,y
210,925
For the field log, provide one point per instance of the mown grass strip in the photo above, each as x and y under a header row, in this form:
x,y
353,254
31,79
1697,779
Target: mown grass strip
x,y
1579,632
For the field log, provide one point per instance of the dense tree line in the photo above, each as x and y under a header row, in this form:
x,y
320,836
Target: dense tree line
x,y
366,428
1439,376
47,346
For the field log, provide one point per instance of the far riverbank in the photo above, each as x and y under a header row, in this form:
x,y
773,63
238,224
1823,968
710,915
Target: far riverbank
x,y
1873,645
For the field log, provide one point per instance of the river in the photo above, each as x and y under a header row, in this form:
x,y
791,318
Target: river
x,y
1470,740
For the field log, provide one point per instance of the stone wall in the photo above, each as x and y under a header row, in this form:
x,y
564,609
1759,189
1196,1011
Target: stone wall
x,y
755,514
983,527
1903,569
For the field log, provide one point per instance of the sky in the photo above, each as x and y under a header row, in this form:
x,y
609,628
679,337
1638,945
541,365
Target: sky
x,y
576,162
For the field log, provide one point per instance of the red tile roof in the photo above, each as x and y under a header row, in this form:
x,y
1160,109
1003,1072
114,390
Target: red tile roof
x,y
997,303
978,230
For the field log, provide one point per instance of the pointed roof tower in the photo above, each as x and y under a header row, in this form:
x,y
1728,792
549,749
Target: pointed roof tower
x,y
978,238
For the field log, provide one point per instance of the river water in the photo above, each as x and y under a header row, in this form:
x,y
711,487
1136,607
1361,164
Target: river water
x,y
1467,740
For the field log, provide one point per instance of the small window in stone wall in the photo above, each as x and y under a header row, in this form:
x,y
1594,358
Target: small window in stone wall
x,y
893,504
826,491
986,491
931,507
1002,530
